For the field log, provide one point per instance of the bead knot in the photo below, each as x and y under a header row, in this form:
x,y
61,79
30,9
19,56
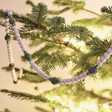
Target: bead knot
x,y
9,12
54,80
12,21
27,56
92,70
7,37
11,66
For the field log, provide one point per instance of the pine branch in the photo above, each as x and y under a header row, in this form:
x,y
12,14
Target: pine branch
x,y
32,98
105,74
102,20
53,41
107,12
49,62
88,59
63,44
29,2
24,96
33,78
76,90
106,9
100,98
41,109
53,12
24,19
92,12
39,13
62,2
74,5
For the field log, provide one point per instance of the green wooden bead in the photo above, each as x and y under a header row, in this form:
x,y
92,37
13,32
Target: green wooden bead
x,y
27,56
12,21
92,70
54,80
7,37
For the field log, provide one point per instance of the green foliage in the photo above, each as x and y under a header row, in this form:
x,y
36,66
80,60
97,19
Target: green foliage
x,y
96,50
29,2
41,29
50,61
106,9
41,109
2,14
24,96
62,2
75,5
105,73
32,98
47,48
34,37
56,22
39,13
96,46
32,77
50,32
96,22
78,5
49,96
53,12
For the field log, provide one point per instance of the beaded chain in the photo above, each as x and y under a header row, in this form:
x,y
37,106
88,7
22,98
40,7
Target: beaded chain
x,y
55,80
9,50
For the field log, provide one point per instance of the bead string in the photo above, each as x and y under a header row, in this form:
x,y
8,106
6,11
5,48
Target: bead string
x,y
55,80
9,50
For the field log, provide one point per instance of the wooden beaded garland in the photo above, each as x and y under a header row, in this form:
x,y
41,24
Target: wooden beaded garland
x,y
11,62
54,80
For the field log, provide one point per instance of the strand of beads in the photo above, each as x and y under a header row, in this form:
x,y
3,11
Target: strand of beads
x,y
26,54
9,50
105,57
55,80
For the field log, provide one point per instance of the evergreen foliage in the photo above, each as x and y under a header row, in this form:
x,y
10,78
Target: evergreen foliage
x,y
47,30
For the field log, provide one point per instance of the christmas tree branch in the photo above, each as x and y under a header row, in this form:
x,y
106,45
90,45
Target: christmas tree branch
x,y
29,2
92,12
101,99
55,41
57,12
23,19
61,43
53,12
33,98
68,8
77,92
41,109
24,96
